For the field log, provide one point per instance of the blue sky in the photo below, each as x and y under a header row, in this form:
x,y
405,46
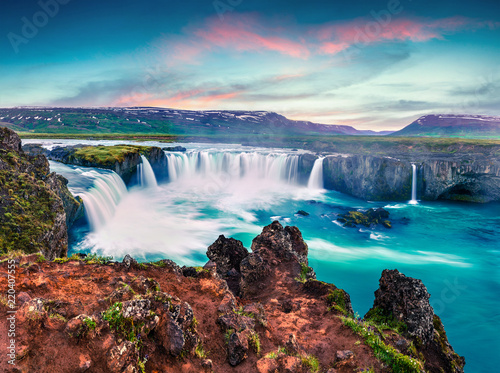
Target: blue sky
x,y
369,64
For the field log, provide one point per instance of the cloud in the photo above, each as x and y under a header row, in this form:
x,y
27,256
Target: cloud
x,y
246,32
250,32
339,36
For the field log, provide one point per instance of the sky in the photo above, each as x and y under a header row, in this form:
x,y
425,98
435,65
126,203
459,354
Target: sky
x,y
375,65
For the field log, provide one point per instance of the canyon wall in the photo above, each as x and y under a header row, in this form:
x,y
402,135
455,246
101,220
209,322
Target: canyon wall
x,y
380,178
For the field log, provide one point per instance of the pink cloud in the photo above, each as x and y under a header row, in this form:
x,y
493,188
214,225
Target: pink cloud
x,y
246,33
252,33
337,37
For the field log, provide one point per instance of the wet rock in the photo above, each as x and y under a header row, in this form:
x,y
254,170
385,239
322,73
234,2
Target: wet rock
x,y
407,300
302,213
227,253
368,218
237,348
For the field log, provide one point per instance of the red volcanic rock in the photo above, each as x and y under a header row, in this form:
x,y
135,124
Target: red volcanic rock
x,y
77,317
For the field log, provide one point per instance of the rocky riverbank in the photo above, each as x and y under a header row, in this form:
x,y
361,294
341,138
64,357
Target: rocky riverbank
x,y
36,207
259,311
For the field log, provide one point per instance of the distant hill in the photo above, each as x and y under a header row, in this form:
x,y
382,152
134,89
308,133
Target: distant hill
x,y
465,126
149,120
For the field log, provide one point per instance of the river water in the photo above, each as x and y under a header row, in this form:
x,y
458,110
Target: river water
x,y
224,189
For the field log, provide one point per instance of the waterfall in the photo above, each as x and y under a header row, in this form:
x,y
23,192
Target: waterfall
x,y
101,199
146,174
414,184
245,165
316,177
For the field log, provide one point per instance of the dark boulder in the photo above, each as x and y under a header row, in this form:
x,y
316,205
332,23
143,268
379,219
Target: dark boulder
x,y
285,243
237,347
227,253
407,300
128,261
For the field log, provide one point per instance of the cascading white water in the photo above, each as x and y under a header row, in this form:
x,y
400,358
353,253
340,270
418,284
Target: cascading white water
x,y
256,166
146,174
414,184
102,198
316,177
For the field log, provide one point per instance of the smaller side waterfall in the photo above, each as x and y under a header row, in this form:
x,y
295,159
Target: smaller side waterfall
x,y
102,198
146,174
414,184
316,177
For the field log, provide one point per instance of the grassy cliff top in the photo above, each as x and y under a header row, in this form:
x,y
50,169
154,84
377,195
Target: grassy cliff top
x,y
109,155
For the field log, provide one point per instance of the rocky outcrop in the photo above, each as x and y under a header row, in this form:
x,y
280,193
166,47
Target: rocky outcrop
x,y
406,300
367,177
468,180
76,315
368,218
36,206
275,245
122,159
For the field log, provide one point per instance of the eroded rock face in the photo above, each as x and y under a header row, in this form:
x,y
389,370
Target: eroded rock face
x,y
368,177
40,223
285,243
471,180
274,245
407,300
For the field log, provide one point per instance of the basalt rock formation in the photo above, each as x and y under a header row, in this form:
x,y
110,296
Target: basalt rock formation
x,y
122,159
406,300
94,315
36,207
457,176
